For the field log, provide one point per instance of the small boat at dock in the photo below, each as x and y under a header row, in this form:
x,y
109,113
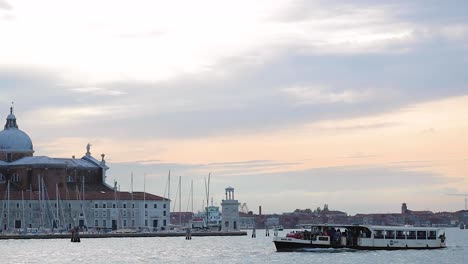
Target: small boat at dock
x,y
362,237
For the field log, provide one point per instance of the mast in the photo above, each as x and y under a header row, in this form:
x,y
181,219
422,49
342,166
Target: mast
x,y
115,201
23,223
57,205
82,199
169,186
8,205
39,199
191,194
207,192
133,205
180,200
144,199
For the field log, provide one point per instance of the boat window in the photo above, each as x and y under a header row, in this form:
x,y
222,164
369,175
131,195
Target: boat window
x,y
323,238
390,234
421,234
432,235
378,234
411,235
400,234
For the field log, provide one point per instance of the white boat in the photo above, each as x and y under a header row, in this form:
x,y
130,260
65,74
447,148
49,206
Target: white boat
x,y
278,228
362,237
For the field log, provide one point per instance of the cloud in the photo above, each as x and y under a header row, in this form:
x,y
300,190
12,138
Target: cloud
x,y
5,5
319,95
97,91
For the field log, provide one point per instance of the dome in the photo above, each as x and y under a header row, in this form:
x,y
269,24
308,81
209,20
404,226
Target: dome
x,y
15,140
12,139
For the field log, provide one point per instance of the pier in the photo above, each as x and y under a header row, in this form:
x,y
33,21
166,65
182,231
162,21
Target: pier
x,y
111,235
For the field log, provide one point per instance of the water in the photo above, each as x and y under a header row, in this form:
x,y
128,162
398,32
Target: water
x,y
214,250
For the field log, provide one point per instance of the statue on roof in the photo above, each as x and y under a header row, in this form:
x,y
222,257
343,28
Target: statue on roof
x,y
88,148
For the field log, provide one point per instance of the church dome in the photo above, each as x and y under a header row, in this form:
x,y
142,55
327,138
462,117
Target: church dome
x,y
12,139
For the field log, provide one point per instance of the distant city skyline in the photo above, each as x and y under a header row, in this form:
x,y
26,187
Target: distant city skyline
x,y
361,105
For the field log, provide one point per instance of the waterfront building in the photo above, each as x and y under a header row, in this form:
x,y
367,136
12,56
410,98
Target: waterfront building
x,y
230,211
43,192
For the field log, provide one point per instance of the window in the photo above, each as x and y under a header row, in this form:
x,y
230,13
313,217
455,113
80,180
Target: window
x,y
81,214
104,224
164,205
69,205
30,206
16,177
164,222
113,205
378,234
390,234
133,222
96,205
146,205
2,178
411,235
146,222
125,222
146,213
70,178
226,224
124,213
96,214
421,234
400,234
133,205
164,213
17,205
104,213
155,206
124,205
96,222
104,205
432,235
55,205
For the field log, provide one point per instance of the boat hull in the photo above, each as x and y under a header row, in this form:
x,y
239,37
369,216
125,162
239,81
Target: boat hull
x,y
283,246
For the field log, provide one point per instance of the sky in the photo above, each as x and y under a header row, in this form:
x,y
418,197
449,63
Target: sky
x,y
361,105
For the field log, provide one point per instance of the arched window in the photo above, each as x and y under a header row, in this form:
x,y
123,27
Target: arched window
x,y
16,177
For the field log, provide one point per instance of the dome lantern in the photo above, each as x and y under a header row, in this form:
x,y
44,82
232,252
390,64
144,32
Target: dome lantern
x,y
13,141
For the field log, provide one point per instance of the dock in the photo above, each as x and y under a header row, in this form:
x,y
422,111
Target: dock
x,y
112,235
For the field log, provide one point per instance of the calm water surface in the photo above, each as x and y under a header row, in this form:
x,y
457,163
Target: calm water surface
x,y
213,250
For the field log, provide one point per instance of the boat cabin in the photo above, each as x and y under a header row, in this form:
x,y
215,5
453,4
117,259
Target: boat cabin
x,y
363,237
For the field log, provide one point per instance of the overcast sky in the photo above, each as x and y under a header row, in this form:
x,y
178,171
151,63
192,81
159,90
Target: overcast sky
x,y
359,104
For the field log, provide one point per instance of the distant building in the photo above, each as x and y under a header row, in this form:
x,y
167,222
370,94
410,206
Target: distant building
x,y
44,192
404,208
230,211
271,222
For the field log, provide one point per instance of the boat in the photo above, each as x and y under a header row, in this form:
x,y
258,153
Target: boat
x,y
278,228
362,237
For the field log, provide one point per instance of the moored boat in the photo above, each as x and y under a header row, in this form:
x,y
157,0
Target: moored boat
x,y
362,237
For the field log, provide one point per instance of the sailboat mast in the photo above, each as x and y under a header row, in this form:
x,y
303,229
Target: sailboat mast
x,y
57,205
180,200
144,199
23,223
39,199
8,205
169,186
191,193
